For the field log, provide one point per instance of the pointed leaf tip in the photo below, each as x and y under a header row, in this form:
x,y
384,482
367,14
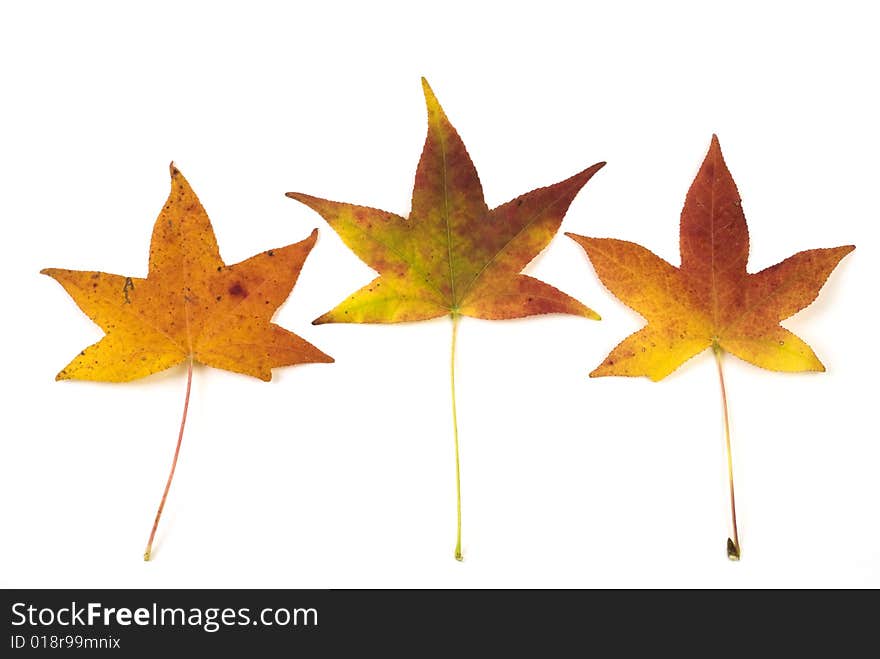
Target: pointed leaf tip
x,y
173,169
579,239
588,173
431,99
300,197
307,200
311,239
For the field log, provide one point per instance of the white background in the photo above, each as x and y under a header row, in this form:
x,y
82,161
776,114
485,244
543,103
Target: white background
x,y
342,475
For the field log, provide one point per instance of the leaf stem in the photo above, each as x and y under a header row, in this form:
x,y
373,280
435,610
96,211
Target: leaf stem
x,y
455,318
189,375
733,548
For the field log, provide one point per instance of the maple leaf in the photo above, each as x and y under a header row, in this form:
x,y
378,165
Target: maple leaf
x,y
453,255
191,306
710,300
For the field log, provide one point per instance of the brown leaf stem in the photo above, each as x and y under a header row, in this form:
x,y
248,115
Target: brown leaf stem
x,y
733,547
189,373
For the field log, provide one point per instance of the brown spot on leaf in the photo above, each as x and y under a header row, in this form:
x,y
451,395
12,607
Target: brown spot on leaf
x,y
237,290
129,286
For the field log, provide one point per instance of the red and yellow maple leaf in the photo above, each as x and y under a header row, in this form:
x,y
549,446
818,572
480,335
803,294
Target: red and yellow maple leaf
x,y
710,300
191,307
453,256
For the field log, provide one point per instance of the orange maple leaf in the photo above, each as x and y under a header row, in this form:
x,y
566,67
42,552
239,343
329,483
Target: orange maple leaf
x,y
191,307
453,255
710,301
